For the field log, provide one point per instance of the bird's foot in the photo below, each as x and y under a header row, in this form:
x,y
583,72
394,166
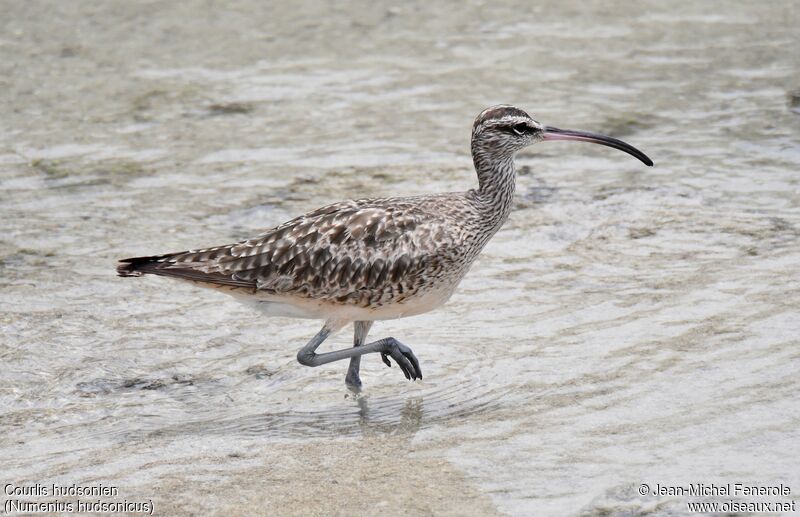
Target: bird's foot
x,y
404,357
353,382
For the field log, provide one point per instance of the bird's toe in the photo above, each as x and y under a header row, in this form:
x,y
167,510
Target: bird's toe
x,y
405,359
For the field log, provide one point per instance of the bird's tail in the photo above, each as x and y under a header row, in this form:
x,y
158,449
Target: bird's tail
x,y
138,266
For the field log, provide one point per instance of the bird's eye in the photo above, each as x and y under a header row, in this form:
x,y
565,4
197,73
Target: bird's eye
x,y
519,129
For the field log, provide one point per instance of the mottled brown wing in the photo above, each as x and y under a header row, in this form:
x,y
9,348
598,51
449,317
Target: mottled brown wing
x,y
357,252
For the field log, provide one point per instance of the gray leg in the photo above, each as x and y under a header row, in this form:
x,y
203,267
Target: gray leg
x,y
389,346
353,380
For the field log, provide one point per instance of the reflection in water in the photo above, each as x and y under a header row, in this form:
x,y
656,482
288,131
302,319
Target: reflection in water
x,y
411,419
361,420
363,416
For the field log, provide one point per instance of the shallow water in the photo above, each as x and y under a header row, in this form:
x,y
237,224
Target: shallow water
x,y
628,325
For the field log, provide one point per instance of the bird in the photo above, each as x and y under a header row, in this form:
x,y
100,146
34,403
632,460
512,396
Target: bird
x,y
368,260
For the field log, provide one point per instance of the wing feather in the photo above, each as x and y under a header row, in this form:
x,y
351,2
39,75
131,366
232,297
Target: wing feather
x,y
359,251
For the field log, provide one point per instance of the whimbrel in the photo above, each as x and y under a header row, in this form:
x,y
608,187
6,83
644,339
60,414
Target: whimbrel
x,y
373,259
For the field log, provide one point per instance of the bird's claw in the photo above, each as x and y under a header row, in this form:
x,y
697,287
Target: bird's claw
x,y
404,358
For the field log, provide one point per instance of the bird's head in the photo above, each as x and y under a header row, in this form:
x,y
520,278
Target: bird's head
x,y
504,130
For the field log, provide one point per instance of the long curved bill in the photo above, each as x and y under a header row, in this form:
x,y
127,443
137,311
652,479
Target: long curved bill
x,y
554,133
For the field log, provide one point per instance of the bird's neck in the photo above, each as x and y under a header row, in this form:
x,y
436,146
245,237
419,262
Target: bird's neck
x,y
496,181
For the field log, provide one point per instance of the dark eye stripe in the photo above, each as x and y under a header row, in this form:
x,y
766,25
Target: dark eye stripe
x,y
516,129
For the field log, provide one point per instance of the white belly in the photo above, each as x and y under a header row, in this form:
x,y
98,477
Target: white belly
x,y
297,307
